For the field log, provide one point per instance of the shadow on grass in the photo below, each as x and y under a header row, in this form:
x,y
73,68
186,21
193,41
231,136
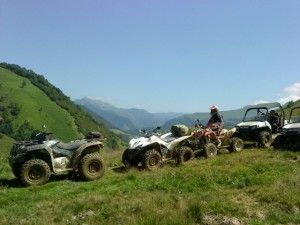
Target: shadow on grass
x,y
10,183
120,169
15,183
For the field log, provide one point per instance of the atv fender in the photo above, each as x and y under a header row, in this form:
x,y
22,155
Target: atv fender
x,y
36,152
154,145
86,148
175,143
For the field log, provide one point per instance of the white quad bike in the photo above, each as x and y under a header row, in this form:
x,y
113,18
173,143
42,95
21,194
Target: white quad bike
x,y
255,126
153,149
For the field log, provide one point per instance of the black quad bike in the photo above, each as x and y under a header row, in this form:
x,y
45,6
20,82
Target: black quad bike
x,y
33,161
289,138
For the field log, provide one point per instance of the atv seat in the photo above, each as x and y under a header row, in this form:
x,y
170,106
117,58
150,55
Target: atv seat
x,y
168,137
71,145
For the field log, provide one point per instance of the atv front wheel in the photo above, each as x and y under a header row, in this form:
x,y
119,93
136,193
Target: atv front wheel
x,y
185,154
279,142
210,150
35,172
91,167
151,160
236,145
127,161
264,139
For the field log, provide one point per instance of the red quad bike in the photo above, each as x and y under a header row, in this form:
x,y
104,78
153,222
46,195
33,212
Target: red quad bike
x,y
208,141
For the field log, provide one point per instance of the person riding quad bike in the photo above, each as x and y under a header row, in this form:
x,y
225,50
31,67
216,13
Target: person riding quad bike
x,y
273,119
216,124
212,137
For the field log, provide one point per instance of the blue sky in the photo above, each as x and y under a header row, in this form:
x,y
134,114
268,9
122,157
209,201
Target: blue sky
x,y
159,55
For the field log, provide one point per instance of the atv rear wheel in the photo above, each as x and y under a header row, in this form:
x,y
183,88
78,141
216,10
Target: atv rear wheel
x,y
151,160
185,154
34,172
91,167
210,150
236,145
127,161
264,139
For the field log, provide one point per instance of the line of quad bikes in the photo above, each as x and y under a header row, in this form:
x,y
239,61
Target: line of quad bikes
x,y
34,161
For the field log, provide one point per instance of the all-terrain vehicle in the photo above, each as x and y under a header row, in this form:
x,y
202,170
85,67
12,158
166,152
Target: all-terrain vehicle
x,y
153,149
205,139
33,161
256,127
289,138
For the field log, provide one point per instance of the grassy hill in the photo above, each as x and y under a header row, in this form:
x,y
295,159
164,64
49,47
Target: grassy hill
x,y
289,107
254,187
29,100
35,106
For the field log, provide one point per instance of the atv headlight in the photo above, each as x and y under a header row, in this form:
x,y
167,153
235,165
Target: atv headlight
x,y
237,128
253,127
284,130
136,144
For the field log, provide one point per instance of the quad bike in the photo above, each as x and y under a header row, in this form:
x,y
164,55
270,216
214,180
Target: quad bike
x,y
255,126
153,149
208,141
33,161
289,138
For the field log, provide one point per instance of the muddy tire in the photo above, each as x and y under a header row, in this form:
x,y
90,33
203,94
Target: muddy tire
x,y
236,145
210,150
279,143
185,154
151,160
34,172
91,167
264,139
127,161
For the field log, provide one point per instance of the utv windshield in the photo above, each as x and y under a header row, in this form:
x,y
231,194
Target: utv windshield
x,y
295,115
256,114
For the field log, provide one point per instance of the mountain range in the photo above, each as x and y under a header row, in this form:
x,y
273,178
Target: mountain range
x,y
131,120
126,119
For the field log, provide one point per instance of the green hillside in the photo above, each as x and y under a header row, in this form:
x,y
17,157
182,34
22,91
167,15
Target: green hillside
x,y
5,147
28,100
289,107
35,107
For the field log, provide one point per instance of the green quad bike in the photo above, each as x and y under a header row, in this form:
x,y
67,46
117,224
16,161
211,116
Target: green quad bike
x,y
33,161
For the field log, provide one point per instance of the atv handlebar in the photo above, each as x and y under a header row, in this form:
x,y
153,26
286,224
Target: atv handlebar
x,y
40,137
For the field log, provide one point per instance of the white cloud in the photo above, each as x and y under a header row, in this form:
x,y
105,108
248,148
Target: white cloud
x,y
293,90
291,93
260,102
104,99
